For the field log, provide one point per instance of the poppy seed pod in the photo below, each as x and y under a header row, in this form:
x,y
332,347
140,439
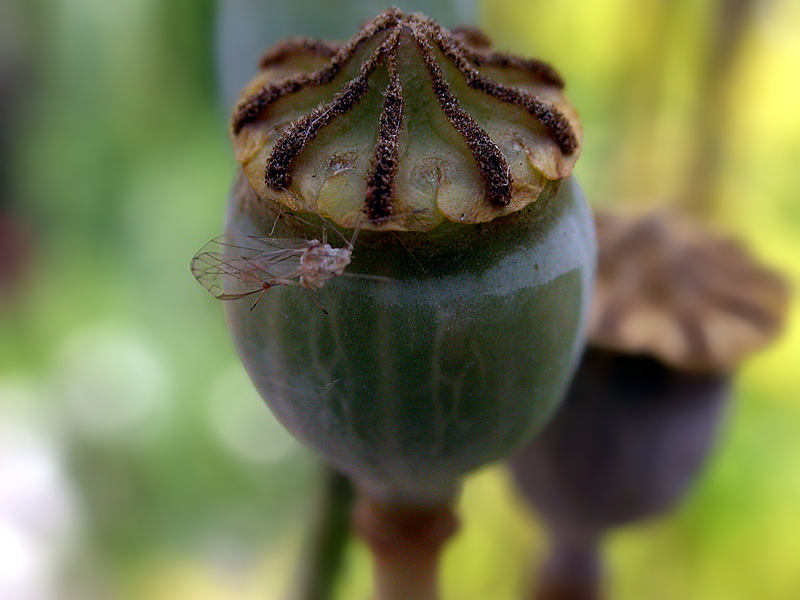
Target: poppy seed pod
x,y
676,309
415,183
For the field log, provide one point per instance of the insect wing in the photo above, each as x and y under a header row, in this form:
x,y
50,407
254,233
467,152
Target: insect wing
x,y
233,266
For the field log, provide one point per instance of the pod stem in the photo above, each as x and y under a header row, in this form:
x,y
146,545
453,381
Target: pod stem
x,y
328,538
405,543
572,571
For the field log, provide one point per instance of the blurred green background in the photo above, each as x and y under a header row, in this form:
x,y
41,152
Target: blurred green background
x,y
136,463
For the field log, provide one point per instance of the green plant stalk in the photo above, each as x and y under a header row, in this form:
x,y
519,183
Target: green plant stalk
x,y
728,26
329,537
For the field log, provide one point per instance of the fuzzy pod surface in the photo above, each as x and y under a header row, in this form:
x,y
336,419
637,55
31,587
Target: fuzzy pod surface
x,y
409,384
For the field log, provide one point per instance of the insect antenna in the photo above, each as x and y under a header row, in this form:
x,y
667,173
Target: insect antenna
x,y
311,209
348,243
277,218
382,220
411,254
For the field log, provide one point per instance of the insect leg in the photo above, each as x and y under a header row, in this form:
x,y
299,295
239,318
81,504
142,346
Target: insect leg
x,y
317,302
261,295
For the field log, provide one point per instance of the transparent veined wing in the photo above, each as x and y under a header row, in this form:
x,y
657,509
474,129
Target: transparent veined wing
x,y
235,266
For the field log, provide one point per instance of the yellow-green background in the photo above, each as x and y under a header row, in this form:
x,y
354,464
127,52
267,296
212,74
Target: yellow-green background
x,y
117,364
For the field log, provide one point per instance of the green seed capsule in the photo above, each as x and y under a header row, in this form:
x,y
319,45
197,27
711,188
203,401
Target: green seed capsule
x,y
415,184
410,383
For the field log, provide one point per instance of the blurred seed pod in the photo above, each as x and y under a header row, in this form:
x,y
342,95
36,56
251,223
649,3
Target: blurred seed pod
x,y
466,252
675,309
689,298
627,443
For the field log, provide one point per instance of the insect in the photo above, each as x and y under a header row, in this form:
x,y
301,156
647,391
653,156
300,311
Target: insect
x,y
236,266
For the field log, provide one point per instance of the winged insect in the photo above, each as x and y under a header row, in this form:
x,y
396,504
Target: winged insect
x,y
231,267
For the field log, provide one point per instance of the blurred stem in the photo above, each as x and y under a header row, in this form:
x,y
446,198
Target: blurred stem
x,y
650,81
329,537
405,544
573,569
729,24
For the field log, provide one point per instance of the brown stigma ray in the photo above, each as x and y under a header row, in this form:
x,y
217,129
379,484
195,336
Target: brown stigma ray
x,y
611,318
249,109
298,134
548,115
477,49
491,162
537,68
288,48
747,311
694,335
471,36
380,181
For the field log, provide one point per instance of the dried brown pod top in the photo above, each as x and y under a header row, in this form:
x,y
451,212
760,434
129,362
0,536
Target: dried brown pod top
x,y
406,118
668,289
